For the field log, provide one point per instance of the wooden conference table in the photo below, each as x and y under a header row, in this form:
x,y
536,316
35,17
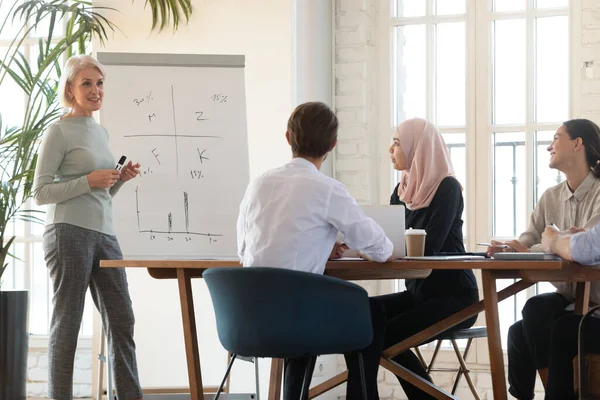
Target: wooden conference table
x,y
528,272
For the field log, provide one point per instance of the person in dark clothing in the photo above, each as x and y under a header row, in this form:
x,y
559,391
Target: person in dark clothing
x,y
433,200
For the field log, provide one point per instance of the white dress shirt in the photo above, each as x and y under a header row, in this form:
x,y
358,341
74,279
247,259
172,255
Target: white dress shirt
x,y
290,217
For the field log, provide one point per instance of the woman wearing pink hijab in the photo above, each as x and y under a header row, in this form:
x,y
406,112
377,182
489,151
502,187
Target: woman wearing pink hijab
x,y
433,200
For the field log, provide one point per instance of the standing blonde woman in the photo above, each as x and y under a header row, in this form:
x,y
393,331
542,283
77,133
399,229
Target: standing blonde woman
x,y
76,177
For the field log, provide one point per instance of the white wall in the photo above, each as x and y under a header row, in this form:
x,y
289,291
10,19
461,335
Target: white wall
x,y
313,56
356,68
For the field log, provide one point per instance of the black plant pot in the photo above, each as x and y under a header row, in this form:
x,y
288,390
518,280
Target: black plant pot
x,y
14,341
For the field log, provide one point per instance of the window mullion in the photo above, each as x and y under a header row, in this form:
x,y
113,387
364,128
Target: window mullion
x,y
470,122
430,65
530,82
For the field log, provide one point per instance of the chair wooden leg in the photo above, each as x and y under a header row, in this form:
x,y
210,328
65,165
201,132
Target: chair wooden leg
x,y
226,377
420,357
228,380
363,379
460,371
464,369
310,365
434,356
275,379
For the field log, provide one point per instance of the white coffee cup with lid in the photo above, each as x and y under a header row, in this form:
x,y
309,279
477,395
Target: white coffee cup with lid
x,y
415,242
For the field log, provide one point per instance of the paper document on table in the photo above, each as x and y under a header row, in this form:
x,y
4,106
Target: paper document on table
x,y
445,258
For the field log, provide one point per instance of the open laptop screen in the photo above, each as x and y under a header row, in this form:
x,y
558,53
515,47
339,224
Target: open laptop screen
x,y
391,220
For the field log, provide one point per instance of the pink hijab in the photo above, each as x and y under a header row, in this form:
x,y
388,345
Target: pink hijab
x,y
428,161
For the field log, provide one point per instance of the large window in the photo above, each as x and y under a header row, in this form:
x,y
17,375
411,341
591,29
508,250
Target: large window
x,y
28,269
429,46
529,96
493,75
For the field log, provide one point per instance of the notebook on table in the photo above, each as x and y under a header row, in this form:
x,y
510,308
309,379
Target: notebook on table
x,y
525,256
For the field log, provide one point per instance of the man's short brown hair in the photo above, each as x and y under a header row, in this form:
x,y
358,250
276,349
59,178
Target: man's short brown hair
x,y
312,129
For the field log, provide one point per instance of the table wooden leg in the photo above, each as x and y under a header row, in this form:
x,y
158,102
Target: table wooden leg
x,y
275,379
329,384
490,301
190,335
416,380
582,297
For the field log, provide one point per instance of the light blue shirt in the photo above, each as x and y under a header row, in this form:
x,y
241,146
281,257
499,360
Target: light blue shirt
x,y
585,246
585,249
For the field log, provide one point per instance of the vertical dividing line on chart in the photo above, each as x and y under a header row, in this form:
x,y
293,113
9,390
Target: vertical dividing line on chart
x,y
175,130
170,223
186,212
137,205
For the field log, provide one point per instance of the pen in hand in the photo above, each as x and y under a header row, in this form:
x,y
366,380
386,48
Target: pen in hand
x,y
501,246
554,226
120,163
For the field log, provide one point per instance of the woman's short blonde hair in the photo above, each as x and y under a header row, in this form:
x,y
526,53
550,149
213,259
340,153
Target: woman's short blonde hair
x,y
72,67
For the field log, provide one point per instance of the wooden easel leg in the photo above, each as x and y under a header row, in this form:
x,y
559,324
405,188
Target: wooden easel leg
x,y
190,334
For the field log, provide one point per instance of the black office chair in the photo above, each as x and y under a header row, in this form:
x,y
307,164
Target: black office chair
x,y
280,313
469,334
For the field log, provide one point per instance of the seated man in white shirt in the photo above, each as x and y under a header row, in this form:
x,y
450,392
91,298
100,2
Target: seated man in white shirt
x,y
290,217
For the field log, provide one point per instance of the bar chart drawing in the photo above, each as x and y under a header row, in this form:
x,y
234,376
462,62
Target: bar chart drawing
x,y
168,228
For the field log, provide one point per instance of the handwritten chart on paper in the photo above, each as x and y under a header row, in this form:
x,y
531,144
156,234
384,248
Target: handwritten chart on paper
x,y
184,120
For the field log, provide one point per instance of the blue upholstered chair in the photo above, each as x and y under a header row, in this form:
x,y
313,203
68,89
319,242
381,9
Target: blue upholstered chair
x,y
280,313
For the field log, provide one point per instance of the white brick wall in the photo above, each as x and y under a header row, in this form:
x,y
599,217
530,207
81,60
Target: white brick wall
x,y
37,373
590,52
355,96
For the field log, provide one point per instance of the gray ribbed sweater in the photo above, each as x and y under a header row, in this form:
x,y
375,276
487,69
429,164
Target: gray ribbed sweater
x,y
70,150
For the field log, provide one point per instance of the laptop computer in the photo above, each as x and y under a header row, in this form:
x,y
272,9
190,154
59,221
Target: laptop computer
x,y
391,220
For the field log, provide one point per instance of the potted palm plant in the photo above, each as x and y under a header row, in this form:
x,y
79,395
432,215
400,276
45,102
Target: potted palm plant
x,y
19,144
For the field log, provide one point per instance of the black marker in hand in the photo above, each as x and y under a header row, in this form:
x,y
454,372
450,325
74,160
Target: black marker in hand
x,y
121,163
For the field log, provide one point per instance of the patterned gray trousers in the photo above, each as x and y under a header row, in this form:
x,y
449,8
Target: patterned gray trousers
x,y
73,256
